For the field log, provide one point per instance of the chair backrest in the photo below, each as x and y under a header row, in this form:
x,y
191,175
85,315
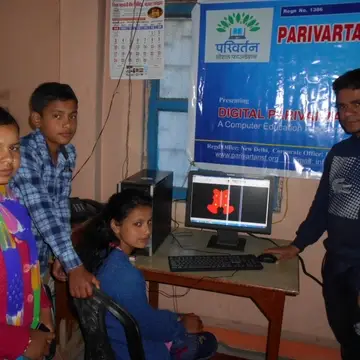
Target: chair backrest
x,y
91,314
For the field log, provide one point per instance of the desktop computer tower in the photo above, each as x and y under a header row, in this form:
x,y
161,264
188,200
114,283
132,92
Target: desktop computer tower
x,y
159,185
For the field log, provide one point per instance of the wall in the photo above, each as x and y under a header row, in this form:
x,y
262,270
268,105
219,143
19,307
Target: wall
x,y
82,65
122,119
29,46
86,68
68,41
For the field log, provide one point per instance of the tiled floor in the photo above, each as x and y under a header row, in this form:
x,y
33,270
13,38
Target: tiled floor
x,y
74,349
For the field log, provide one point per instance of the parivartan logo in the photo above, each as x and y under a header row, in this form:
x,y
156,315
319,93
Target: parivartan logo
x,y
238,36
237,24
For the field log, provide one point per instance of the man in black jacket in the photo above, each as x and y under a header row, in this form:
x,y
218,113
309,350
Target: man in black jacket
x,y
336,209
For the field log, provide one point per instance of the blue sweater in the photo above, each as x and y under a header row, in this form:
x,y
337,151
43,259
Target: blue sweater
x,y
336,209
126,285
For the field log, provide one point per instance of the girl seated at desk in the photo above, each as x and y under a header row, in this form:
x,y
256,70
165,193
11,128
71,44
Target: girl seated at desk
x,y
123,226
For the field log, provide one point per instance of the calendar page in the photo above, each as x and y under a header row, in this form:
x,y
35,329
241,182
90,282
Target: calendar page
x,y
137,39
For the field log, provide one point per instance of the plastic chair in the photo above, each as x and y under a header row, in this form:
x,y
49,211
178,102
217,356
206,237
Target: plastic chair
x,y
91,314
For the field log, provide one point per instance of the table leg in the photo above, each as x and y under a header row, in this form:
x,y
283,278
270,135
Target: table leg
x,y
154,294
272,307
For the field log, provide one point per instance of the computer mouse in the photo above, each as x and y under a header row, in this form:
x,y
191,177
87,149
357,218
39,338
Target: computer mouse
x,y
267,258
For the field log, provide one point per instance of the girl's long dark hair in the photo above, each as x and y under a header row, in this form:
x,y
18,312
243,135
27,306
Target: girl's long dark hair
x,y
7,119
98,239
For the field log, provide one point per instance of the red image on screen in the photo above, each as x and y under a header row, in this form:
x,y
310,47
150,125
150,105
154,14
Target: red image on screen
x,y
220,201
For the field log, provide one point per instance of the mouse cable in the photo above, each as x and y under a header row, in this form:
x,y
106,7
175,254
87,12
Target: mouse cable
x,y
132,39
302,262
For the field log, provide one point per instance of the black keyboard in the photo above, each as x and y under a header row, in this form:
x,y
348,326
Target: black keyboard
x,y
214,263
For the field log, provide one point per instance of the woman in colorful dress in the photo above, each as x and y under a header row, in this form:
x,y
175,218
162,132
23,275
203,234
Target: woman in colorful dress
x,y
24,306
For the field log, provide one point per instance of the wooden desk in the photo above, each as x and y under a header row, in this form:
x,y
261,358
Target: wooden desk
x,y
266,288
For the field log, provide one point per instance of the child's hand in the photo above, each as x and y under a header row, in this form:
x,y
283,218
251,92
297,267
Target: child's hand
x,y
58,271
81,282
192,323
39,344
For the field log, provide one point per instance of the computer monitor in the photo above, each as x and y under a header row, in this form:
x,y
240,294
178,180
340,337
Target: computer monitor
x,y
230,204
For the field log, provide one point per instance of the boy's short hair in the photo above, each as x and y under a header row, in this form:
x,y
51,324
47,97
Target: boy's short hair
x,y
349,80
7,119
49,92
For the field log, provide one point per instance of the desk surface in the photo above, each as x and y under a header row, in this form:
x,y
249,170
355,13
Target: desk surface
x,y
283,276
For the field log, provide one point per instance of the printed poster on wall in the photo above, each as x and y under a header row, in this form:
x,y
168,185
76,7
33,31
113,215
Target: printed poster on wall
x,y
262,83
137,39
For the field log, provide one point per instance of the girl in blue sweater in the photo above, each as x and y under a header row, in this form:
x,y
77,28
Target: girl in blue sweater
x,y
125,225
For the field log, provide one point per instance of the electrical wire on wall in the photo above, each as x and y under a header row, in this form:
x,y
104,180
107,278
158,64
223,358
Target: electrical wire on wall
x,y
125,166
286,181
115,92
59,38
175,202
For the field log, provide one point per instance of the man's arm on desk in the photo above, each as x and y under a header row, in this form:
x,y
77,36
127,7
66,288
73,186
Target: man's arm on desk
x,y
315,223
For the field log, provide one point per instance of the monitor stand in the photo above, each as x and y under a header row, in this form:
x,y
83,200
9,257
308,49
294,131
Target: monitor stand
x,y
227,240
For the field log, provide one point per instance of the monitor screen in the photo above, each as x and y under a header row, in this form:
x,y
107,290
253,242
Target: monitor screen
x,y
239,203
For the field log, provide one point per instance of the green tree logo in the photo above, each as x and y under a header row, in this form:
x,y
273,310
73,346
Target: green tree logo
x,y
242,19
